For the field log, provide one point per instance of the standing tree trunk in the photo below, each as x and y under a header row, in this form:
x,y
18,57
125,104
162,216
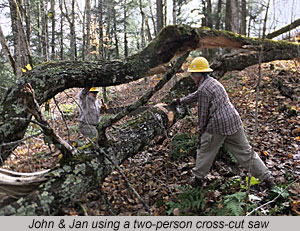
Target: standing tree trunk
x,y
61,30
125,31
116,34
73,33
165,12
44,16
243,17
22,53
218,18
142,24
108,31
234,16
209,14
39,29
100,23
149,36
174,16
71,21
159,15
53,20
228,15
27,15
87,28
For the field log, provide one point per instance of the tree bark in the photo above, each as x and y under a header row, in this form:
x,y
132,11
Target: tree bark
x,y
243,17
71,21
44,22
159,15
100,21
234,16
218,17
51,78
284,29
61,30
22,54
87,28
86,171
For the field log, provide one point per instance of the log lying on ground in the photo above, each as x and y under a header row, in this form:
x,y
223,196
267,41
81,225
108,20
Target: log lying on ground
x,y
86,171
51,78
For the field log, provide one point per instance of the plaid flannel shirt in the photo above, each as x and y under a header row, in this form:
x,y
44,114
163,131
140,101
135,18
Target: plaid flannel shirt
x,y
216,114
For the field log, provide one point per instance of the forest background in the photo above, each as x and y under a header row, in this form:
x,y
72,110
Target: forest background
x,y
42,31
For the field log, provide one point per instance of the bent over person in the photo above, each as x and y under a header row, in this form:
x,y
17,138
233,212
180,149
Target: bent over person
x,y
90,109
218,123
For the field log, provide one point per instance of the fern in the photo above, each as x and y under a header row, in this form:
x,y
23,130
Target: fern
x,y
183,144
233,204
189,200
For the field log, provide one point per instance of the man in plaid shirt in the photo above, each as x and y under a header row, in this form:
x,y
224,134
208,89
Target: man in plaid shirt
x,y
218,123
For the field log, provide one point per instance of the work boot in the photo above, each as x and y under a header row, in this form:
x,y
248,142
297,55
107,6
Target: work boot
x,y
196,182
270,182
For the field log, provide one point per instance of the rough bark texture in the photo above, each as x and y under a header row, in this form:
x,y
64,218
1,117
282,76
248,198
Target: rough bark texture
x,y
51,78
86,171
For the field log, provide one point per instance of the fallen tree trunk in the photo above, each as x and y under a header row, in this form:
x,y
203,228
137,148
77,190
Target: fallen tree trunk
x,y
86,171
51,78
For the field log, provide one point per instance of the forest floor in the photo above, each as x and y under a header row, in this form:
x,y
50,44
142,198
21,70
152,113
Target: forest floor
x,y
161,172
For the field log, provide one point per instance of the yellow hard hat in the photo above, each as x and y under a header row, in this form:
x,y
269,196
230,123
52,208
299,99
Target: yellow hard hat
x,y
97,89
199,64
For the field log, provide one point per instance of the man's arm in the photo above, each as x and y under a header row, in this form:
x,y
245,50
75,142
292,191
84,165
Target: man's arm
x,y
82,97
189,99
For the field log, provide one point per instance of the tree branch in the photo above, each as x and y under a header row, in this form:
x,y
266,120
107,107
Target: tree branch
x,y
33,107
284,29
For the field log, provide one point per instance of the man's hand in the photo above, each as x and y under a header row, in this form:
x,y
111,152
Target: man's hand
x,y
103,108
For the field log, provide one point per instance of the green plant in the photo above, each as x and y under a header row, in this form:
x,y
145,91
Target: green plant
x,y
68,109
183,144
233,205
253,181
231,182
188,201
282,201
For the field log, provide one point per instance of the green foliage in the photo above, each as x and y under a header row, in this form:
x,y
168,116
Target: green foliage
x,y
32,129
188,202
275,191
7,78
231,182
183,144
253,181
233,205
68,109
282,203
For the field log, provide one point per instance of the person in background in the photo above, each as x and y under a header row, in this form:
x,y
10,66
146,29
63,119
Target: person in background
x,y
90,110
218,123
